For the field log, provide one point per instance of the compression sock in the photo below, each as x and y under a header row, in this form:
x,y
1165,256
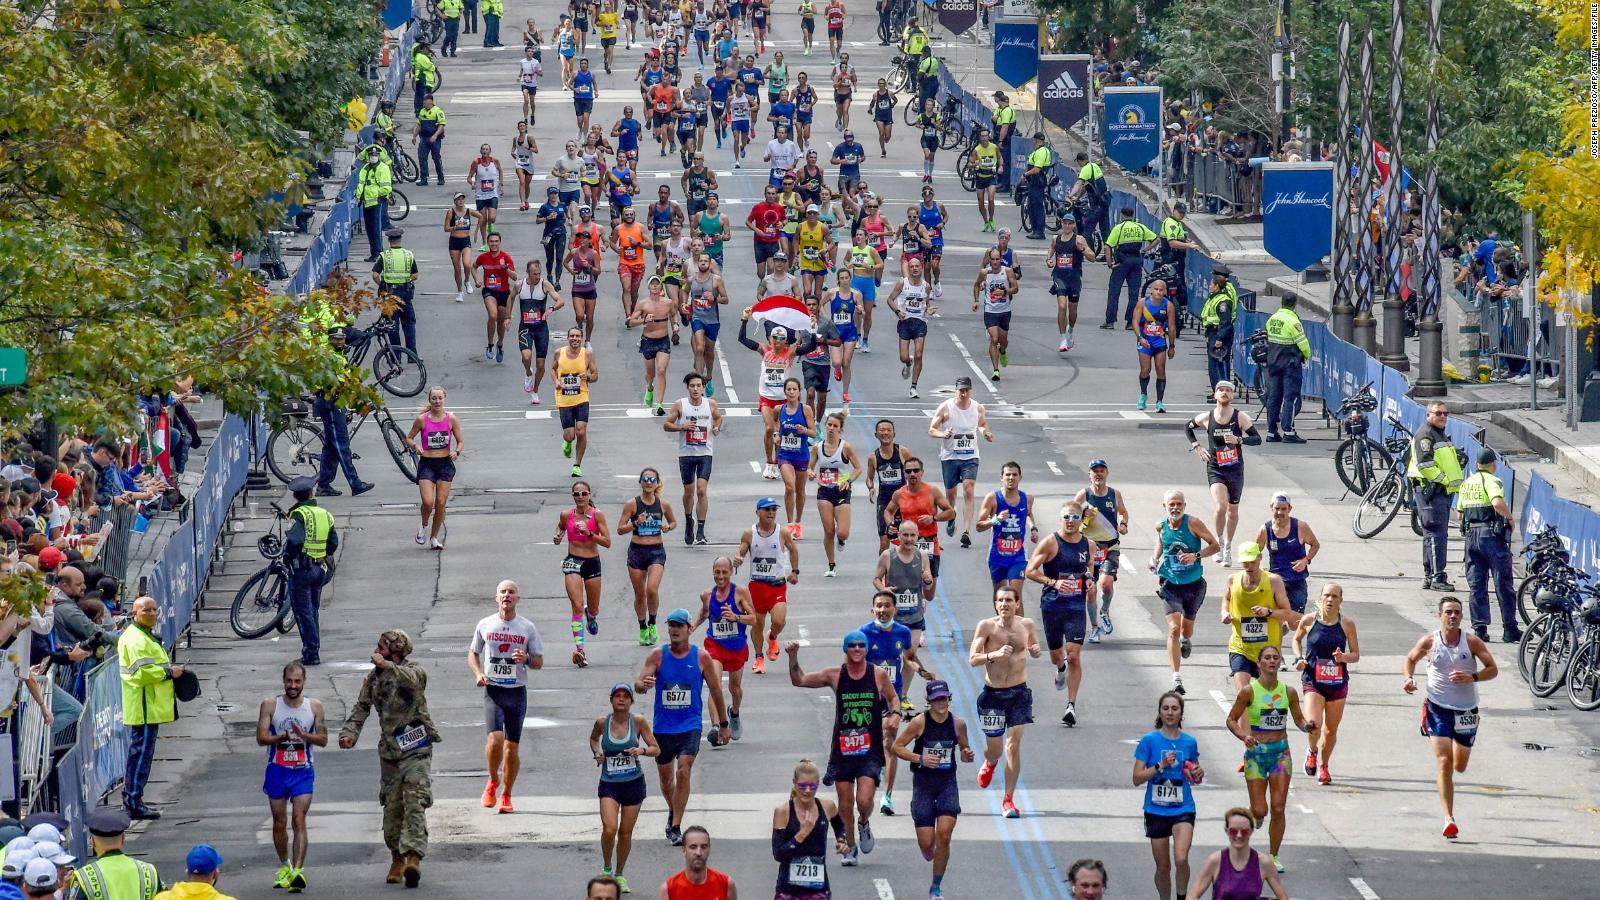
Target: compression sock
x,y
936,880
577,629
1161,389
1144,385
927,168
652,618
641,624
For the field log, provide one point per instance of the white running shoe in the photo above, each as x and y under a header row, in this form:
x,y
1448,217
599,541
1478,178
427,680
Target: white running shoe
x,y
461,296
938,292
535,399
1227,553
438,544
1065,345
422,535
527,384
1061,679
771,473
913,391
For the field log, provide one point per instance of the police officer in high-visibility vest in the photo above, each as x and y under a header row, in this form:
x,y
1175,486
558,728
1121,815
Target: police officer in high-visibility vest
x,y
1216,319
1092,183
450,11
1037,172
383,125
424,73
1288,351
1004,127
1435,473
374,185
1124,253
311,540
1174,244
1486,521
395,273
928,76
112,874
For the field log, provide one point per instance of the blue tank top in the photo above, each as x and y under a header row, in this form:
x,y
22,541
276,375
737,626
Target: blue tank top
x,y
728,635
1071,562
1321,668
1153,324
660,218
886,647
933,221
791,442
842,308
1282,552
678,683
1174,540
652,77
1106,506
1007,545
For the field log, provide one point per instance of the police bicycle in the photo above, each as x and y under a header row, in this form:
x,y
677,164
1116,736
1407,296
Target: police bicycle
x,y
1358,457
1549,646
1055,204
294,446
1548,563
1391,491
395,368
262,603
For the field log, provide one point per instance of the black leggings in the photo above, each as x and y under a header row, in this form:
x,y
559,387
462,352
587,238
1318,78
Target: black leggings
x,y
553,256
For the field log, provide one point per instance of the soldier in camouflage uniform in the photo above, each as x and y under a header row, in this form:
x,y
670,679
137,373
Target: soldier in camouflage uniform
x,y
397,688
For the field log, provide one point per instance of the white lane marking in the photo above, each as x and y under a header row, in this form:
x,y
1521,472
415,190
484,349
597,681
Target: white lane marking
x,y
1222,701
983,377
1304,809
1135,415
1054,468
1367,893
727,375
537,414
884,891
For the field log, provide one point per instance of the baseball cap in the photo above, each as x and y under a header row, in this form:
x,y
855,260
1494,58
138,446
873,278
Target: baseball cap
x,y
938,690
964,381
39,873
52,851
44,831
1249,551
999,95
17,860
853,637
781,255
1280,497
50,558
679,616
585,209
766,503
204,859
551,190
622,686
812,208
1486,457
1098,464
849,135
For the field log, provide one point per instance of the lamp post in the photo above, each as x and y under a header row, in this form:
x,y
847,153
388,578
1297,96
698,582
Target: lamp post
x,y
1394,324
1430,348
1365,328
1343,311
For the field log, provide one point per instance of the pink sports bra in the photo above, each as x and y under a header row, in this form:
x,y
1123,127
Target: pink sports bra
x,y
436,433
575,536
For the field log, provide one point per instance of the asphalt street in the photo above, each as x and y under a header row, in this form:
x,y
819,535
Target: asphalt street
x,y
1373,833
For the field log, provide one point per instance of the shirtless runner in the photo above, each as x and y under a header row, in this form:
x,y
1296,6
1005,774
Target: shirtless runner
x,y
1005,704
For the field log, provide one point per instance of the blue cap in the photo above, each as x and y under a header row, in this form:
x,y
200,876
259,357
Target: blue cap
x,y
621,686
204,859
938,690
1098,464
857,636
679,616
766,503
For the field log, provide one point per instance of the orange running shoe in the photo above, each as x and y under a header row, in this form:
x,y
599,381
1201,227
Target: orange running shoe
x,y
488,793
772,649
505,803
760,665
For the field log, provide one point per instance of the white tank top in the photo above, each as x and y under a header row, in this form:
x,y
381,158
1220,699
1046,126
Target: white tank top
x,y
291,754
531,291
768,562
829,465
963,426
913,299
774,372
996,292
695,437
487,185
1444,659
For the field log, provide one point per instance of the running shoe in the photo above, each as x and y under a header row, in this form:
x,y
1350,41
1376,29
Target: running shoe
x,y
772,649
838,373
1105,622
1277,864
938,290
985,774
1161,406
994,375
1064,346
966,539
1227,554
282,879
849,858
913,392
653,636
527,384
437,544
1177,683
534,399
905,370
505,804
711,389
700,536
566,449
759,667
1070,717
950,528
865,841
935,893
591,624
1324,776
489,791
644,636
622,885
1184,649
1003,360
799,531
577,471
1141,401
422,536
865,347
830,573
1009,809
659,410
1061,678
1450,829
846,401
771,472
1311,761
488,351
905,707
735,726
1094,635
650,398
887,806
499,353
1070,343
297,881
461,296
674,835
578,659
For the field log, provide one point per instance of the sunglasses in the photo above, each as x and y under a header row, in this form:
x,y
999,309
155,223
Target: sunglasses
x,y
1069,517
913,471
805,785
648,479
1239,832
580,493
855,646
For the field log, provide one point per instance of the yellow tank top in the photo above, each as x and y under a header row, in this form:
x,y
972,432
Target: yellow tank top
x,y
811,244
1252,633
572,389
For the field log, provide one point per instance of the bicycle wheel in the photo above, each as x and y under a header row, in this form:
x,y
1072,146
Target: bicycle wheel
x,y
1378,506
1416,520
950,136
399,206
1353,462
433,31
963,171
395,440
399,370
260,603
1526,592
908,112
1583,677
1529,645
1551,660
405,165
294,450
899,78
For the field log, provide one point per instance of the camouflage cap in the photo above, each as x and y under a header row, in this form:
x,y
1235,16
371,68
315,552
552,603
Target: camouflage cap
x,y
399,642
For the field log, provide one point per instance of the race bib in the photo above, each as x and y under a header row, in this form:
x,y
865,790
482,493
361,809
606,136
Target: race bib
x,y
1466,721
1273,719
914,306
695,436
1166,793
1253,630
438,440
650,526
571,566
964,442
939,755
772,376
854,742
807,872
570,385
992,721
789,442
725,629
1153,329
828,477
412,736
764,568
1227,456
1009,546
675,696
291,754
810,253
925,544
502,670
1328,673
908,601
532,316
842,315
622,764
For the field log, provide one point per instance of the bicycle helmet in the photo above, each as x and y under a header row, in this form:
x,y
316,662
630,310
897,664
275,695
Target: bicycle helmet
x,y
1591,610
270,546
1548,601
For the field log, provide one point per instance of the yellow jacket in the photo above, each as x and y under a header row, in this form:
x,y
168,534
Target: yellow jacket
x,y
192,890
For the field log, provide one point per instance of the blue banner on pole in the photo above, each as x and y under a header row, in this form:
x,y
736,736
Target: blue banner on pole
x,y
1133,126
1297,212
1016,50
396,13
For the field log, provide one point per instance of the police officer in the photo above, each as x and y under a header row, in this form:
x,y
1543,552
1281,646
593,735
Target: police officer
x,y
1287,353
149,700
1217,318
383,125
373,187
397,688
428,136
1040,159
396,274
1003,127
112,875
927,77
1174,244
1486,521
424,73
335,421
450,11
1092,181
1124,253
311,540
1435,473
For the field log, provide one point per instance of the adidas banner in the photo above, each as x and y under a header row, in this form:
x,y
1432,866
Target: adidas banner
x,y
1063,83
958,16
1016,50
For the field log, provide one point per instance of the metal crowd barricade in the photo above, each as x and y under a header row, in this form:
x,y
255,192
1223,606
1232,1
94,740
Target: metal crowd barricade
x,y
33,743
1503,334
112,551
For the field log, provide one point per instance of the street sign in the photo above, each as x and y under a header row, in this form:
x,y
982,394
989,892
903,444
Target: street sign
x,y
958,16
1063,94
13,366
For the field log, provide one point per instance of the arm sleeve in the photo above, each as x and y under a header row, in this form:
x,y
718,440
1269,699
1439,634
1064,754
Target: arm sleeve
x,y
1252,437
744,336
837,824
1188,429
783,849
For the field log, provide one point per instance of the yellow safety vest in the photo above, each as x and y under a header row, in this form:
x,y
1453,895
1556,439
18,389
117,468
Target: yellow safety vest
x,y
1284,329
318,524
397,263
450,8
1477,496
1445,469
1209,317
116,876
375,183
1041,158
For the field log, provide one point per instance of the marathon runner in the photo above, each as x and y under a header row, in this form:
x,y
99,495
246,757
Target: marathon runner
x,y
866,271
523,147
721,89
648,517
676,673
622,784
530,68
606,21
437,450
696,419
793,426
912,312
781,156
711,226
504,647
1258,610
883,103
957,423
774,565
986,167
1005,705
628,241
289,725
888,472
778,356
1238,871
1155,321
1067,252
766,221
834,12
931,742
584,529
731,613
904,570
995,287
1227,432
931,213
800,842
697,880
1167,762
583,95
924,504
1457,661
458,224
626,130
1009,511
833,484
1107,505
1324,647
1064,565
865,707
1181,543
698,183
483,179
1291,546
497,272
928,122
847,312
891,647
575,370
654,313
1258,719
741,107
533,326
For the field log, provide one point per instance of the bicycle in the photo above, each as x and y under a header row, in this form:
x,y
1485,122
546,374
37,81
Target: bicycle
x,y
1055,208
900,73
1356,458
262,602
294,446
953,127
1548,562
1583,674
431,29
395,368
1383,500
401,162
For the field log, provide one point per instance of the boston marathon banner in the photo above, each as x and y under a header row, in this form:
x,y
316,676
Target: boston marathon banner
x,y
1063,79
1132,126
958,16
1016,50
1297,212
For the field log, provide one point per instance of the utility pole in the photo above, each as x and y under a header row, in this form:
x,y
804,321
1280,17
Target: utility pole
x,y
1365,328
